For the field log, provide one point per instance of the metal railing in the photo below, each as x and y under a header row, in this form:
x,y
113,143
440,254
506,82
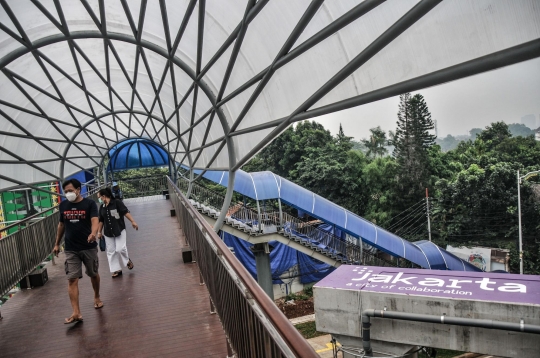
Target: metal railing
x,y
305,232
23,250
139,187
253,324
206,197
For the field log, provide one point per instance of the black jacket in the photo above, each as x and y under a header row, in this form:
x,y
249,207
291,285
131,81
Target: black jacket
x,y
112,217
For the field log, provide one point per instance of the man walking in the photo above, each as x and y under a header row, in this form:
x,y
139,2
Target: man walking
x,y
79,220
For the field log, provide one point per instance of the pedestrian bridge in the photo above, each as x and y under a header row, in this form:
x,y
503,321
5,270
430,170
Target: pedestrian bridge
x,y
163,307
211,83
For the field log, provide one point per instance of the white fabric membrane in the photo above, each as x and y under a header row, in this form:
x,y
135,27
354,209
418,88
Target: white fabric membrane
x,y
65,104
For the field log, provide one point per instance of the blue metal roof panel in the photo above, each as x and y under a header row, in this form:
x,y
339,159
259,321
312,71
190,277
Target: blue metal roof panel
x,y
266,185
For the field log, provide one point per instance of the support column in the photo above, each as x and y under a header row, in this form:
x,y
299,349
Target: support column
x,y
264,272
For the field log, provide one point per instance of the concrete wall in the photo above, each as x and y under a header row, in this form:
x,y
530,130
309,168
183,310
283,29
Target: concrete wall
x,y
338,311
282,290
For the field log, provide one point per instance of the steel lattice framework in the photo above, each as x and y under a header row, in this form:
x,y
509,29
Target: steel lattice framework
x,y
213,82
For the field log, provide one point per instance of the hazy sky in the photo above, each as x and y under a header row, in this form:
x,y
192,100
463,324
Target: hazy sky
x,y
506,94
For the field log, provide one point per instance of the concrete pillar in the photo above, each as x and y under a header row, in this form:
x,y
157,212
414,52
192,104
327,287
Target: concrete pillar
x,y
264,272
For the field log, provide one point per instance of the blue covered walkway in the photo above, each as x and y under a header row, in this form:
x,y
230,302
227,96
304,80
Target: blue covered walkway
x,y
266,185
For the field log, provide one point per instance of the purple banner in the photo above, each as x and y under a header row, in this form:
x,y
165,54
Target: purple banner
x,y
481,286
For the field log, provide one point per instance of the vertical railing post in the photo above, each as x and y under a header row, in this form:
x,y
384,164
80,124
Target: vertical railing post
x,y
230,353
280,214
201,279
212,308
259,215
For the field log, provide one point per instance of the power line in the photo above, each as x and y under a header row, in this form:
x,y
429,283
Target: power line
x,y
414,213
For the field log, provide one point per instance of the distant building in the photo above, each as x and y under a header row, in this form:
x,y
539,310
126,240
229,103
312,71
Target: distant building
x,y
529,120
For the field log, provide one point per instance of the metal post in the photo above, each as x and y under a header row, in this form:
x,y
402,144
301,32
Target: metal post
x,y
212,308
427,210
230,353
359,243
201,279
519,221
259,215
280,215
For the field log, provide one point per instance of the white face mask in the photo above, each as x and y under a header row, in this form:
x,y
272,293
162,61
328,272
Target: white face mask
x,y
71,196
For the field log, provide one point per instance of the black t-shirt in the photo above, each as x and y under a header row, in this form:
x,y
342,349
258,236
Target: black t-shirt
x,y
77,221
112,217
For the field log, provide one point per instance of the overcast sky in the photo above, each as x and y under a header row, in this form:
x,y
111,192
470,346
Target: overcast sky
x,y
506,94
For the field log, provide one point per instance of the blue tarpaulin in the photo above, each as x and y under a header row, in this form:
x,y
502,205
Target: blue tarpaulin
x,y
282,259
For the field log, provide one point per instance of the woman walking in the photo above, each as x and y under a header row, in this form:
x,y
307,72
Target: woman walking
x,y
111,222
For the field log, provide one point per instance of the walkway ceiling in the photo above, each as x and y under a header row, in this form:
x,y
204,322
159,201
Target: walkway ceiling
x,y
135,154
213,82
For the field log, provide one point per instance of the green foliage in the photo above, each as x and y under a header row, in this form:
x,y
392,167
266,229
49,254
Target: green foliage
x,y
448,143
296,297
308,290
440,353
140,173
473,186
308,330
518,129
376,143
412,142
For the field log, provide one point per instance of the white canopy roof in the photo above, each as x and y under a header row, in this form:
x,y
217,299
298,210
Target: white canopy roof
x,y
214,81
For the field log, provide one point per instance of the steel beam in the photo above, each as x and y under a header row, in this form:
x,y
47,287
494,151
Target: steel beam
x,y
406,21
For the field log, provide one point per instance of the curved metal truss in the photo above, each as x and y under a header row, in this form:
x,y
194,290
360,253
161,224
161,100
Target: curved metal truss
x,y
213,83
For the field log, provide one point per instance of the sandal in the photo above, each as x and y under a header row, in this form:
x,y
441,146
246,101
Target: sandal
x,y
98,305
130,264
116,274
72,319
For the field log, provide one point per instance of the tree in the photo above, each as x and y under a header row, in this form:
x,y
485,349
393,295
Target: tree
x,y
376,143
412,141
495,134
475,132
518,129
380,190
346,143
334,174
282,155
447,143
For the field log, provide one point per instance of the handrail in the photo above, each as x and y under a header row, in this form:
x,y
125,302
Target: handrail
x,y
28,218
349,252
213,258
22,251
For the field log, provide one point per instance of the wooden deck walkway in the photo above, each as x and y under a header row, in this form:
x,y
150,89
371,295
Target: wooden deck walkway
x,y
156,310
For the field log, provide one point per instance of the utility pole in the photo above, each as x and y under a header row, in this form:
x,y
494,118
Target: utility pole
x,y
427,211
534,173
519,221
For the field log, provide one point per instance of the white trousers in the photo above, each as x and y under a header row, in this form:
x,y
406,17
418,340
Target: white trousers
x,y
117,253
